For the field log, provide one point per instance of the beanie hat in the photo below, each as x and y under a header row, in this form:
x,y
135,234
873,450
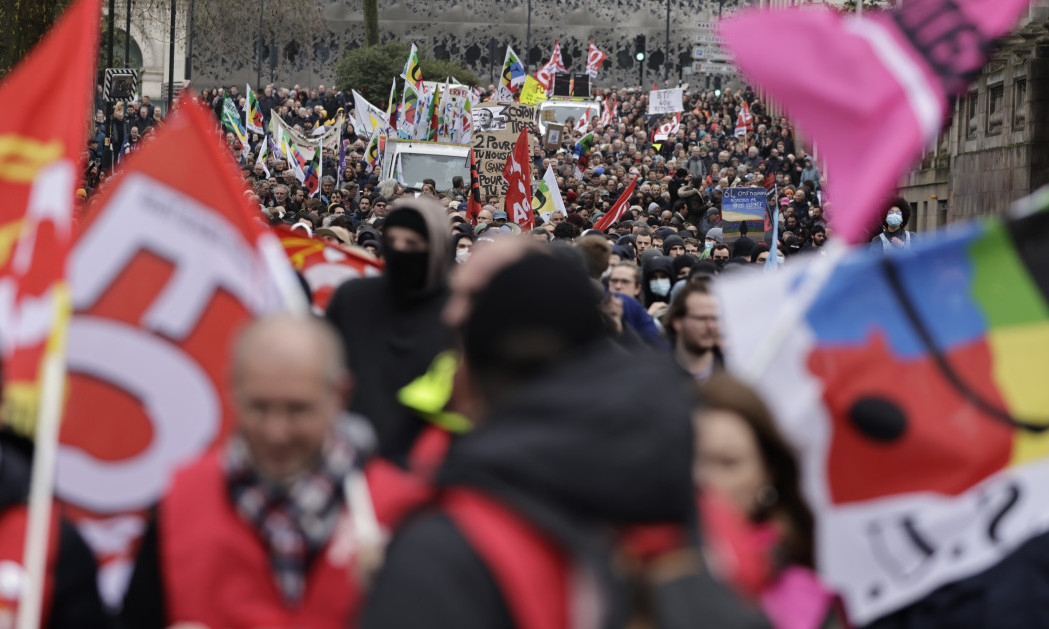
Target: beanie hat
x,y
408,218
513,329
714,233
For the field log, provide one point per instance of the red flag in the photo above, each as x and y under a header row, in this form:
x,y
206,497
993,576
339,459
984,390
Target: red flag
x,y
618,209
172,261
323,266
669,129
473,203
880,82
594,58
517,174
47,99
545,74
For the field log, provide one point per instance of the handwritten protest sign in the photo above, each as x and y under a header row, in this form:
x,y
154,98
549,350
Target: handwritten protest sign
x,y
496,127
666,101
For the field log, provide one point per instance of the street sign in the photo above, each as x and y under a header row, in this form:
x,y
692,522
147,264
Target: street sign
x,y
709,54
706,67
705,26
119,84
707,39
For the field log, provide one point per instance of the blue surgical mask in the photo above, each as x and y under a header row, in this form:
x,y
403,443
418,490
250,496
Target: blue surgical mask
x,y
660,287
708,244
894,220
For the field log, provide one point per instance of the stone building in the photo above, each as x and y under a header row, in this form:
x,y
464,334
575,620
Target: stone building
x,y
995,147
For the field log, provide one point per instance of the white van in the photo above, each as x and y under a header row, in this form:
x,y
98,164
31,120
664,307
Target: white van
x,y
411,161
559,110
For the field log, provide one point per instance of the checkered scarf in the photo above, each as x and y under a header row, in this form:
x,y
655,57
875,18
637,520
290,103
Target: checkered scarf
x,y
295,522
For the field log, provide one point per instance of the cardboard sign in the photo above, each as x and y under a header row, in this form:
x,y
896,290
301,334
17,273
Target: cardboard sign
x,y
666,101
554,134
496,127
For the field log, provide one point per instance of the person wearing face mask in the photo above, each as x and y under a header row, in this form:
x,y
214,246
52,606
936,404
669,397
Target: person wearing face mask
x,y
720,255
463,244
392,323
656,280
894,234
713,237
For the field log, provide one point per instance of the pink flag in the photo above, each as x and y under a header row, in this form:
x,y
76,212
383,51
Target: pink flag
x,y
618,209
876,87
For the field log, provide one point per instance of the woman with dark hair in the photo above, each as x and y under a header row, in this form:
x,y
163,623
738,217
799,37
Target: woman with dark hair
x,y
894,234
742,457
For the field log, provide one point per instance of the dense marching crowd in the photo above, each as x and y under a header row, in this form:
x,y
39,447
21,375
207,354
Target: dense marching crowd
x,y
540,404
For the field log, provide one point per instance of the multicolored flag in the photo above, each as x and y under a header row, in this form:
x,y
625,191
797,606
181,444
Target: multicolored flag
x,y
168,266
582,147
40,166
517,173
409,113
371,152
618,208
910,59
546,197
231,121
253,115
412,73
545,74
594,59
473,203
432,110
312,173
909,385
512,77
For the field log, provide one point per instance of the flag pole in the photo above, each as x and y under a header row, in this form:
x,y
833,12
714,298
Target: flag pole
x,y
41,488
815,279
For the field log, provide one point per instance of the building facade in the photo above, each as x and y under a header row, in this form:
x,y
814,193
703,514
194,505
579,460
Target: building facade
x,y
994,148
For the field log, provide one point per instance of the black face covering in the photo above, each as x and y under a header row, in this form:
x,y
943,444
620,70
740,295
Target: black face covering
x,y
407,271
720,262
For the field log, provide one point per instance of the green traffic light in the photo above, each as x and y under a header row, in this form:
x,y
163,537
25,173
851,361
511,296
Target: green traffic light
x,y
717,93
640,56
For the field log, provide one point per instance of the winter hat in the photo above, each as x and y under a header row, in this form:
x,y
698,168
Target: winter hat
x,y
409,218
714,233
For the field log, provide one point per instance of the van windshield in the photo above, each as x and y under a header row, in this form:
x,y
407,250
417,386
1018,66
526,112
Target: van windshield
x,y
414,167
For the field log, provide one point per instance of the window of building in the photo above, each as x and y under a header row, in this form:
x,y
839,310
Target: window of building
x,y
971,103
995,109
1019,104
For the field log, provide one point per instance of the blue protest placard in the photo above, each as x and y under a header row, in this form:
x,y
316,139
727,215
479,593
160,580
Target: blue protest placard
x,y
743,204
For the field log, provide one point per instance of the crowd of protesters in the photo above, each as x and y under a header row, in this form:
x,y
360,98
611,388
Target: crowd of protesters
x,y
544,420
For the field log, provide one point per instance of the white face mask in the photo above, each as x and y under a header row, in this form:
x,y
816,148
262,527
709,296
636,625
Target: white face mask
x,y
462,255
660,287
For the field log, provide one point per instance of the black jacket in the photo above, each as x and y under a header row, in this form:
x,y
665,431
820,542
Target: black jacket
x,y
604,440
75,600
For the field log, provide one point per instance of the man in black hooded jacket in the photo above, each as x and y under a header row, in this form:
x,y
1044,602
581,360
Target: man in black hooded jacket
x,y
392,323
575,440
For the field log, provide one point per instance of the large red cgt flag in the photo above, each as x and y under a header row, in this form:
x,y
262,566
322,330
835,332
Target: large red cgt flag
x,y
43,130
618,208
166,268
517,174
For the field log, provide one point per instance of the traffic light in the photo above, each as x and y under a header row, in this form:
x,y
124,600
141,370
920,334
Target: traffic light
x,y
639,47
717,86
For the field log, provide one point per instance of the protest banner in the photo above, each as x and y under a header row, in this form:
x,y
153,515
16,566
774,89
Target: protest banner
x,y
666,101
743,213
533,92
496,127
166,269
